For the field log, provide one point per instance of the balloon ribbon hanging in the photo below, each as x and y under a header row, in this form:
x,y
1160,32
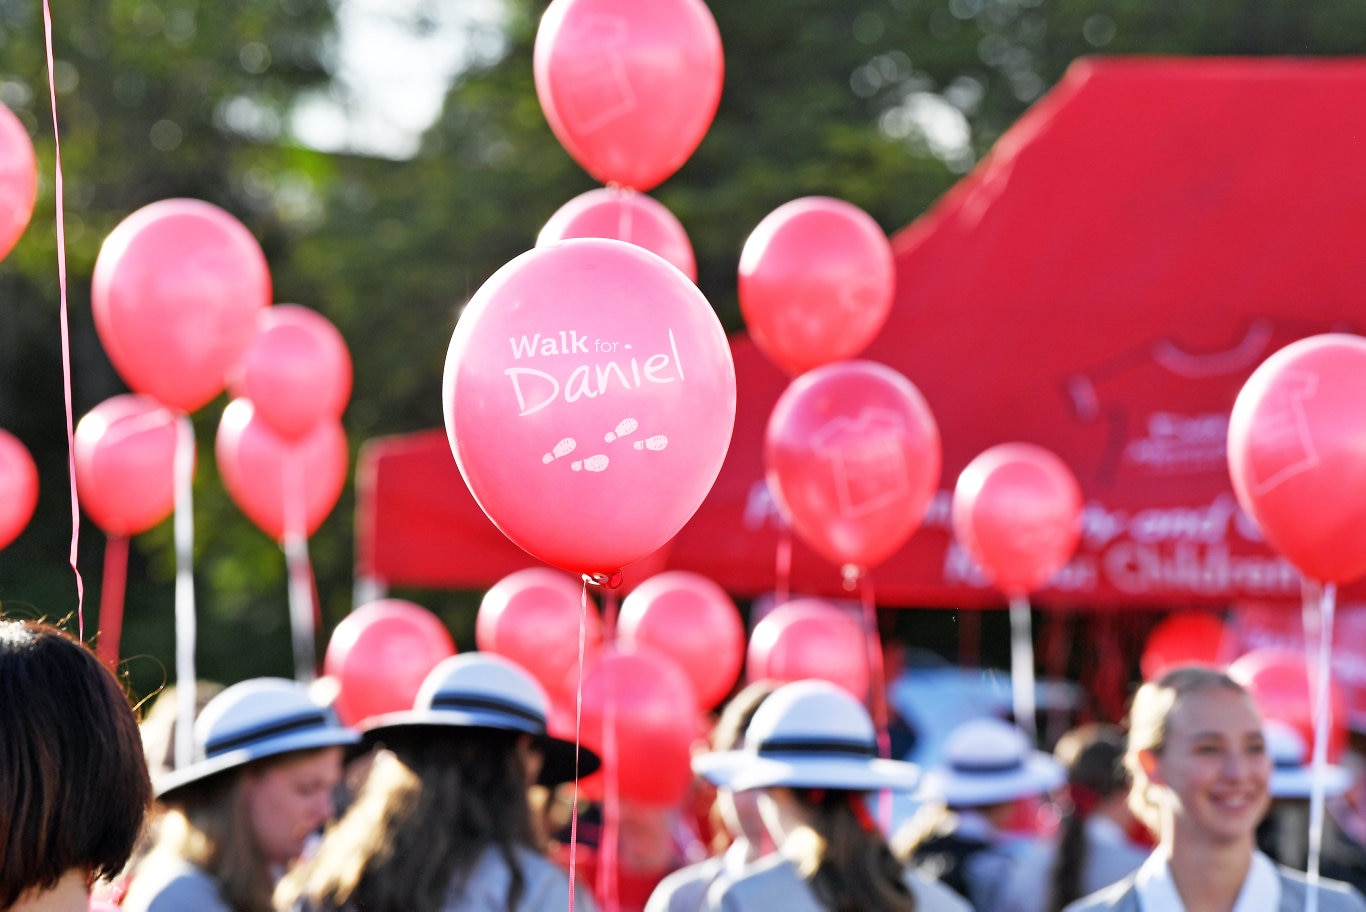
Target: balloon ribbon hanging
x,y
1318,618
877,679
184,591
112,588
300,570
1022,665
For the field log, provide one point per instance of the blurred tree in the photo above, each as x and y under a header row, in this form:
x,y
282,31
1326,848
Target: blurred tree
x,y
880,102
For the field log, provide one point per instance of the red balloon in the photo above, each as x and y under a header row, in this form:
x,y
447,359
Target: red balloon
x,y
260,469
18,180
380,654
625,216
852,455
125,463
296,371
653,711
1278,680
533,617
1017,511
1189,638
18,487
175,294
629,88
810,638
580,375
1297,454
817,278
690,618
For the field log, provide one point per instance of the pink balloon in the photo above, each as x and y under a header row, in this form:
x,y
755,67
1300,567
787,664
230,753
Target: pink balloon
x,y
18,487
296,371
579,377
18,180
690,618
1186,638
380,654
626,216
629,88
652,711
852,455
533,617
175,294
816,282
1017,511
125,463
1297,454
1279,682
810,638
271,478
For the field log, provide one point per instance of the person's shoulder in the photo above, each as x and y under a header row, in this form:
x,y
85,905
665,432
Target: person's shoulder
x,y
1119,897
546,884
1334,895
168,884
684,890
769,883
932,896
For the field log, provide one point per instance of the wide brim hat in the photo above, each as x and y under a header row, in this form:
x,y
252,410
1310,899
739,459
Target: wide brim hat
x,y
988,761
1293,776
808,734
253,720
479,690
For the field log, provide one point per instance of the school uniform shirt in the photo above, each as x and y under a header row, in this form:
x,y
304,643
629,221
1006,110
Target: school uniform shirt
x,y
773,884
974,859
545,887
1110,857
167,883
685,890
1267,888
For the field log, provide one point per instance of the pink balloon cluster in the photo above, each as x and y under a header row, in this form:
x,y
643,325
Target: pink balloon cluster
x,y
181,299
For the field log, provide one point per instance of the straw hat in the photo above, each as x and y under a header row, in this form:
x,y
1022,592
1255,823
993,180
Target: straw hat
x,y
252,720
988,761
485,691
808,734
1293,776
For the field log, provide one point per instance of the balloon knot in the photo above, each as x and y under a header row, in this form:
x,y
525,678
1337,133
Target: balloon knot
x,y
851,574
606,580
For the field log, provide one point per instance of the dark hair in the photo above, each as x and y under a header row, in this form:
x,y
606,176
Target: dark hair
x,y
426,813
1094,757
851,869
74,788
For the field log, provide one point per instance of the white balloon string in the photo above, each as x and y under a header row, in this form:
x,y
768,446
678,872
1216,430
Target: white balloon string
x,y
578,741
59,194
184,591
877,687
1022,665
1323,720
300,572
624,214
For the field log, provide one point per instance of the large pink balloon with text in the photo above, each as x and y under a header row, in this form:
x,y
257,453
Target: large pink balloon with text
x,y
1017,512
1297,454
175,294
589,398
18,180
629,87
852,455
816,282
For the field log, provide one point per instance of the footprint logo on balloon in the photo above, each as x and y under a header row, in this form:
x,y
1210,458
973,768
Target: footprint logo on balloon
x,y
599,462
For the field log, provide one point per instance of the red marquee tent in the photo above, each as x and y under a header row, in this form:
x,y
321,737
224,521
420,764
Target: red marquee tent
x,y
1101,284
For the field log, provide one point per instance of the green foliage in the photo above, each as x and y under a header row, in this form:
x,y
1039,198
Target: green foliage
x,y
880,102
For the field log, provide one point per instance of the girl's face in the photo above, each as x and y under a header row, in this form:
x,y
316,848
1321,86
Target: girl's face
x,y
287,801
1214,769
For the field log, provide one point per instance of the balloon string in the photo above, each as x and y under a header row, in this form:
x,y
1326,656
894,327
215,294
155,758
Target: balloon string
x,y
1322,620
608,890
878,686
782,570
300,571
578,731
184,591
113,585
59,194
624,214
1022,664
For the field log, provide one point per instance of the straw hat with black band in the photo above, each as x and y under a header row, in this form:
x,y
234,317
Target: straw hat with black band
x,y
480,690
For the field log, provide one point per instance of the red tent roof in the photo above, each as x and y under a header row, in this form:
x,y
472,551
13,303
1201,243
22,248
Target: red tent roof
x,y
1101,285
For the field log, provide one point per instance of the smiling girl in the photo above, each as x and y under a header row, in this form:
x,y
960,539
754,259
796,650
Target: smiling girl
x,y
1200,771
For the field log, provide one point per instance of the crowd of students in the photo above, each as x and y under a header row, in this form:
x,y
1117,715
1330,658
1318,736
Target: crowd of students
x,y
285,808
